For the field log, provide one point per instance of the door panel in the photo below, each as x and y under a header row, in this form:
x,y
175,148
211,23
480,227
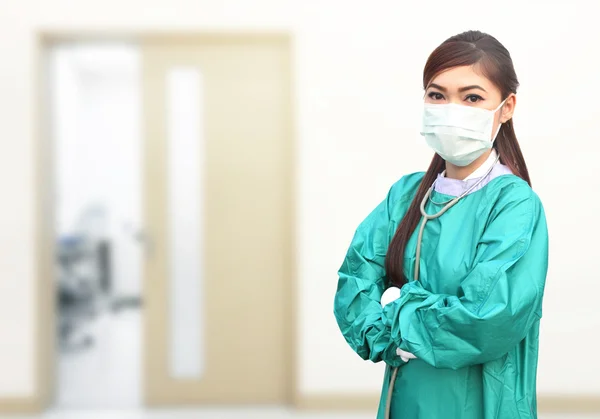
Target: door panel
x,y
244,221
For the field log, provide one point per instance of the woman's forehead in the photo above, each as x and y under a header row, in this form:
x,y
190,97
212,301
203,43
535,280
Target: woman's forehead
x,y
458,77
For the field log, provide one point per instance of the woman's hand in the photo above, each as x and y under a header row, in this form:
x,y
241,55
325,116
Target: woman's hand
x,y
405,356
390,295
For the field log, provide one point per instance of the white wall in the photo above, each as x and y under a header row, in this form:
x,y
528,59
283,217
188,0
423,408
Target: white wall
x,y
358,72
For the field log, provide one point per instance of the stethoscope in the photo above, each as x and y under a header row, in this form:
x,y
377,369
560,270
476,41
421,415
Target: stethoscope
x,y
426,217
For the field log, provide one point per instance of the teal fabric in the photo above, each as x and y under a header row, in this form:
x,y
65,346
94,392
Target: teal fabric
x,y
473,317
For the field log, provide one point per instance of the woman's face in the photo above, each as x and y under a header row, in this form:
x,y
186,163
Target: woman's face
x,y
466,86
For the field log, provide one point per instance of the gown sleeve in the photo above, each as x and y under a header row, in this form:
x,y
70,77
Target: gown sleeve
x,y
361,283
498,301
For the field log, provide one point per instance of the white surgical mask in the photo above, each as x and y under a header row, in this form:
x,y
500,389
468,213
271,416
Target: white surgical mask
x,y
459,134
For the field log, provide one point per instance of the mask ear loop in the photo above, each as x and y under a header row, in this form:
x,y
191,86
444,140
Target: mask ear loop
x,y
497,132
499,124
501,104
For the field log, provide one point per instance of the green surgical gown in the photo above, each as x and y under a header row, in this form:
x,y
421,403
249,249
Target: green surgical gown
x,y
472,318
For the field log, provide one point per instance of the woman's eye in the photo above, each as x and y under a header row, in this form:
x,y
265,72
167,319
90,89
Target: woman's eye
x,y
473,98
436,96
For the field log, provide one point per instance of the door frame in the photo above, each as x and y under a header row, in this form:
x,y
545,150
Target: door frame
x,y
45,307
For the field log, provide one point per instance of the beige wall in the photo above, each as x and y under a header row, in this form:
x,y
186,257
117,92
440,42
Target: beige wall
x,y
358,107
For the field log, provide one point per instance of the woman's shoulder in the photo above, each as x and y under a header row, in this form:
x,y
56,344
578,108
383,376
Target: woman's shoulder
x,y
511,190
406,187
513,186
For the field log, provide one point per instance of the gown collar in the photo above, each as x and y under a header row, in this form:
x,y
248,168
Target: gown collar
x,y
456,187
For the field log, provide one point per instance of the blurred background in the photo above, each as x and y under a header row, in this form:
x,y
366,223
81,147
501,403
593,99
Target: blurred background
x,y
182,180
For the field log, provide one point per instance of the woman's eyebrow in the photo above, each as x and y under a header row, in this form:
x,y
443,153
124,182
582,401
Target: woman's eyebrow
x,y
462,89
474,86
437,86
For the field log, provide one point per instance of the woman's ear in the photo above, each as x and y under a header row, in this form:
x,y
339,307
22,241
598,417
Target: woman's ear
x,y
508,109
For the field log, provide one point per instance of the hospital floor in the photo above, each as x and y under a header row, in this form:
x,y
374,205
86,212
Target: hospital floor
x,y
240,413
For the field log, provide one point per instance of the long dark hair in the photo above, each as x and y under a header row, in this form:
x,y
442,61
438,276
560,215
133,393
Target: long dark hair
x,y
494,61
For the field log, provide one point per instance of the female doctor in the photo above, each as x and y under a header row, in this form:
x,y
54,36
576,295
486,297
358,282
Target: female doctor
x,y
444,280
